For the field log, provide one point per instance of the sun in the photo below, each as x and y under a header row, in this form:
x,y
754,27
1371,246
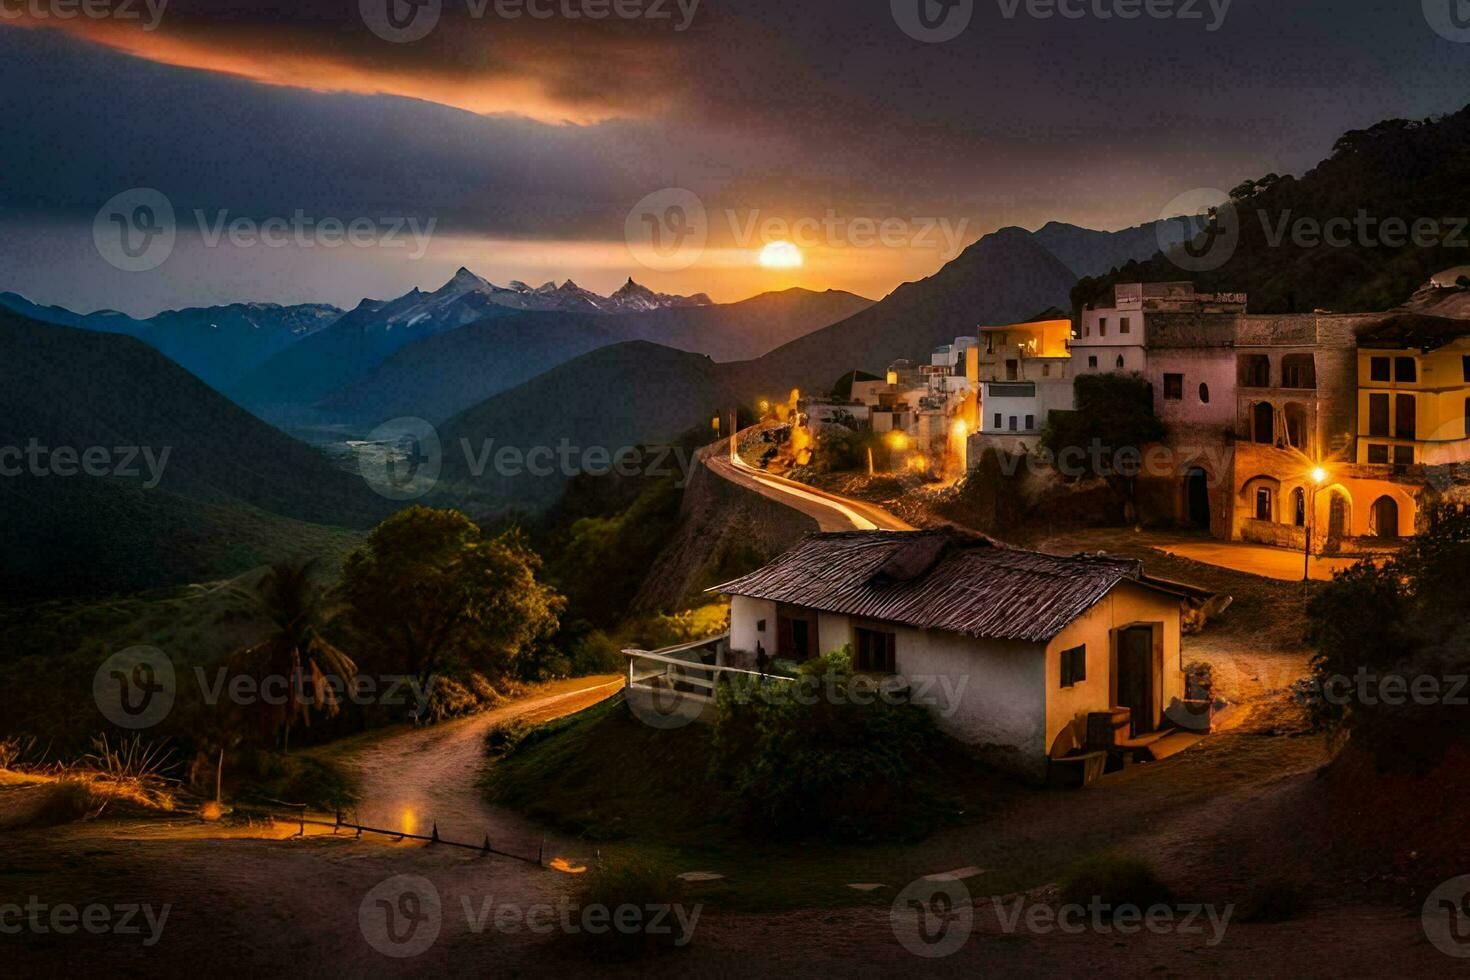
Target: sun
x,y
780,255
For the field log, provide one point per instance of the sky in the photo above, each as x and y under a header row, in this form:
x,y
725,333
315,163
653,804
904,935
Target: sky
x,y
306,150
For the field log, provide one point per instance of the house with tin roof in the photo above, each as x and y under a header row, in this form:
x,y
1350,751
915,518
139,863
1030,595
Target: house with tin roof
x,y
1012,649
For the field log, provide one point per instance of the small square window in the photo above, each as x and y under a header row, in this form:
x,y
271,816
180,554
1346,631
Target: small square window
x,y
1378,453
1403,455
1074,666
1405,369
998,420
1465,367
1173,387
1013,423
1124,326
1030,423
1381,369
1092,362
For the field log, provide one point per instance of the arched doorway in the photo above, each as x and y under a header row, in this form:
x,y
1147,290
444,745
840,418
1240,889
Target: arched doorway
x,y
1197,497
1386,518
1338,511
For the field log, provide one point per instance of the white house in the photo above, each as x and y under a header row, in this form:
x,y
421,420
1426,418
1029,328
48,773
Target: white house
x,y
1013,649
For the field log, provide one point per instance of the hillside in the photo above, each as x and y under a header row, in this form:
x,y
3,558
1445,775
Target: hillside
x,y
1399,169
231,492
219,344
441,375
1094,253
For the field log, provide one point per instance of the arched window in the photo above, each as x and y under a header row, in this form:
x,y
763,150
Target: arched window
x,y
1263,423
1120,362
1204,393
1296,425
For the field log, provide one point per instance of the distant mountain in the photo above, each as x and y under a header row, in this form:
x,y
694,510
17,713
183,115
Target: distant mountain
x,y
218,344
441,375
1340,237
363,338
633,393
1095,253
231,493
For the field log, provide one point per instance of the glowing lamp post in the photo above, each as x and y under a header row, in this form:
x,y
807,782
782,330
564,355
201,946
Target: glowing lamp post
x,y
1319,477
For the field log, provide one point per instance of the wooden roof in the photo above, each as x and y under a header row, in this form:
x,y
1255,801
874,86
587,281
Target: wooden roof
x,y
943,580
1414,331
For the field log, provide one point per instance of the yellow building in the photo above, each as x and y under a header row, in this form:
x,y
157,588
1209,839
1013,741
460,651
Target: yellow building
x,y
1414,392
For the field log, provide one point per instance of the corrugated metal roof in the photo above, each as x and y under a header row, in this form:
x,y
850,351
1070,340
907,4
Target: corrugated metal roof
x,y
953,582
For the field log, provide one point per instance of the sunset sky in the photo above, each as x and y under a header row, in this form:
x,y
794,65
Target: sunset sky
x,y
528,143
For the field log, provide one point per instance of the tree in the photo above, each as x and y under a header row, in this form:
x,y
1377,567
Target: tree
x,y
1107,433
430,592
295,602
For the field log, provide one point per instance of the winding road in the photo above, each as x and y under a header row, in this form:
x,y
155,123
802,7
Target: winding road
x,y
830,511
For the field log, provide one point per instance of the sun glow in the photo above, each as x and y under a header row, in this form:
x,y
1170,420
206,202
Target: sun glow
x,y
780,255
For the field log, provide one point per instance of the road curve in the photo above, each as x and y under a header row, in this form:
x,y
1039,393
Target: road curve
x,y
831,511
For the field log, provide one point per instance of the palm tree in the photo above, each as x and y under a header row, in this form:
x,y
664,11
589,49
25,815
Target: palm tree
x,y
298,607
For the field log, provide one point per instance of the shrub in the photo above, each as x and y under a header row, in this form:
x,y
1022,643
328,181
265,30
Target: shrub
x,y
1114,880
639,884
505,737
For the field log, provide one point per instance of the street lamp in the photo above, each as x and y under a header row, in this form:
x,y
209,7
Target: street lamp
x,y
1319,477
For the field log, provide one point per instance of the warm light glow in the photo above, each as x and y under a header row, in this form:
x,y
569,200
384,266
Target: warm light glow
x,y
918,463
409,822
898,440
1319,475
961,428
780,255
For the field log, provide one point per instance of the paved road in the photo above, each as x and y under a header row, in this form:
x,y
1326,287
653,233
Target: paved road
x,y
830,511
1254,559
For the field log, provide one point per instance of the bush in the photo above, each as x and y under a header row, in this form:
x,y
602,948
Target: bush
x,y
505,737
265,776
639,884
1114,880
823,761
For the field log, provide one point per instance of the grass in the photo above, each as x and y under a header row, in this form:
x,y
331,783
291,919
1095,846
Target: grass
x,y
1115,879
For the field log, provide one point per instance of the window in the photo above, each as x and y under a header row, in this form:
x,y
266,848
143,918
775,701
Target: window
x,y
1405,369
1379,369
1299,507
1046,370
1378,415
1013,423
1403,455
1378,454
1204,393
1012,369
998,420
1298,371
1120,362
1255,370
1102,326
1263,503
1074,666
1406,422
875,651
1173,387
1126,327
1030,423
1467,418
1092,363
1263,423
1465,367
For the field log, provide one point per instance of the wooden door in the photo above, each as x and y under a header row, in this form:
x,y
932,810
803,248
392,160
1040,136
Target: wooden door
x,y
1136,676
